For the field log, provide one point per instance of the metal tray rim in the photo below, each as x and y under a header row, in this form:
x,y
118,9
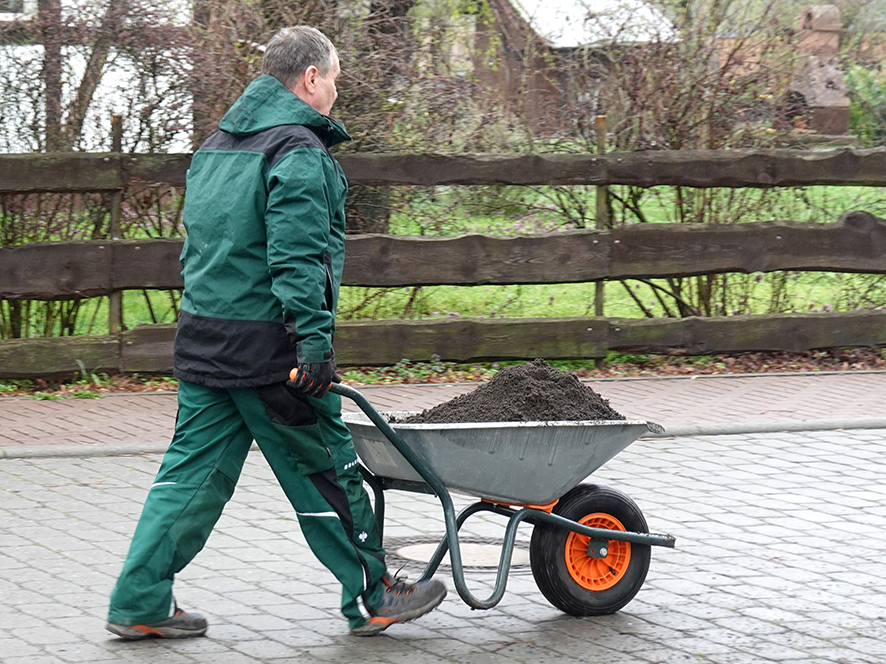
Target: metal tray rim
x,y
360,418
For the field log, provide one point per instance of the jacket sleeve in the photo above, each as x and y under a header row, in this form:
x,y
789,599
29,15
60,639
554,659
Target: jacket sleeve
x,y
297,221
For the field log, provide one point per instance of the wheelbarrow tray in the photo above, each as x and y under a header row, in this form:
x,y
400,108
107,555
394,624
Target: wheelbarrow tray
x,y
524,463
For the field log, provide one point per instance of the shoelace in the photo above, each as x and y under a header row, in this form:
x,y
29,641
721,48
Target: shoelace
x,y
401,587
398,585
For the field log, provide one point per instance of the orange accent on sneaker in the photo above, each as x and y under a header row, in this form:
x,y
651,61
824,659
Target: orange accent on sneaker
x,y
146,630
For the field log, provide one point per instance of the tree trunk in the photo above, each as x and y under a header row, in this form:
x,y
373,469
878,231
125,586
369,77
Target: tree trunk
x,y
113,18
368,208
50,27
202,109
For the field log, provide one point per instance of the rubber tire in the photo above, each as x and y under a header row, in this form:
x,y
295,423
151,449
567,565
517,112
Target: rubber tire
x,y
547,553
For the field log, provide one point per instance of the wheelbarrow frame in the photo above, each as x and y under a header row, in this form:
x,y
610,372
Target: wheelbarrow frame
x,y
599,537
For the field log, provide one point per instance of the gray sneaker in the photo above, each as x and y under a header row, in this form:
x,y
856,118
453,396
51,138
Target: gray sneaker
x,y
402,602
181,625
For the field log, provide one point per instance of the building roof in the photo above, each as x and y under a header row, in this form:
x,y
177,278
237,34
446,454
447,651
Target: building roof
x,y
572,23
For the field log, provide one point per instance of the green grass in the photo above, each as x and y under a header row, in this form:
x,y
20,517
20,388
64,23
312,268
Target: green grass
x,y
84,394
522,210
444,211
807,292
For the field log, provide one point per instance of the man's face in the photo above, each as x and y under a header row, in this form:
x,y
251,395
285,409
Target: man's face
x,y
325,93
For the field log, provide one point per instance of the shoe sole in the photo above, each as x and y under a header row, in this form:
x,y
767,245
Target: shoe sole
x,y
139,632
378,624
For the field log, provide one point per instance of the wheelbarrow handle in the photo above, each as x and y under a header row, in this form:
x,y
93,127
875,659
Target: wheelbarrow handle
x,y
379,421
445,499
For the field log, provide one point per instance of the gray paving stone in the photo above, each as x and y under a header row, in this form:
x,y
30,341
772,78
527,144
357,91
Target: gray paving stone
x,y
266,649
220,630
79,652
299,637
202,649
773,651
80,625
870,646
41,635
50,610
16,647
735,658
847,656
50,659
230,657
336,655
707,600
153,651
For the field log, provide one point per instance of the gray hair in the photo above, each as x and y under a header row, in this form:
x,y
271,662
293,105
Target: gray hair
x,y
292,50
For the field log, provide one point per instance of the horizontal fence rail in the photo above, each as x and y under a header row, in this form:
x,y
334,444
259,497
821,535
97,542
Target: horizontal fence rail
x,y
85,172
857,243
149,348
71,270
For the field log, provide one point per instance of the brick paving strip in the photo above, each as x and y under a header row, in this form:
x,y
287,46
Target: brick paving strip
x,y
143,422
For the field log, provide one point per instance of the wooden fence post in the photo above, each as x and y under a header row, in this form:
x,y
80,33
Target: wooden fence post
x,y
115,299
602,222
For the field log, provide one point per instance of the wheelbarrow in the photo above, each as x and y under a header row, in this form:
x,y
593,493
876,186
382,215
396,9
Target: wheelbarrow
x,y
590,546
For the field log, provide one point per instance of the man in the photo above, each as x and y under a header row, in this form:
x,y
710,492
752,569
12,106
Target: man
x,y
262,267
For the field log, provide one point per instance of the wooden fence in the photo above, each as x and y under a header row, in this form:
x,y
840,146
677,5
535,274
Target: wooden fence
x,y
855,243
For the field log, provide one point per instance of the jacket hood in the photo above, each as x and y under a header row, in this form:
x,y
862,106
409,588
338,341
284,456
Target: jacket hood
x,y
266,103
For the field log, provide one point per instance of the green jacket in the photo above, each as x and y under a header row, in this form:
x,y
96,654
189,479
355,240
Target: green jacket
x,y
262,263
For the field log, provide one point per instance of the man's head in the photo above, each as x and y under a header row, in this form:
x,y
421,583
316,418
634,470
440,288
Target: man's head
x,y
304,60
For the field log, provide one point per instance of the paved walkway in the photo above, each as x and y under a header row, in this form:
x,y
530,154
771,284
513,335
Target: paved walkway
x,y
702,404
779,558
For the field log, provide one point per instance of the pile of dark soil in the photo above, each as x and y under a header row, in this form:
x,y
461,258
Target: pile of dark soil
x,y
531,392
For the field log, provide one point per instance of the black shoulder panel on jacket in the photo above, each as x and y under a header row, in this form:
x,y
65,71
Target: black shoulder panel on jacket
x,y
275,143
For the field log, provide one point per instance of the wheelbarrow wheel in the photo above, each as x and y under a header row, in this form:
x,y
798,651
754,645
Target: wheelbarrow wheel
x,y
567,576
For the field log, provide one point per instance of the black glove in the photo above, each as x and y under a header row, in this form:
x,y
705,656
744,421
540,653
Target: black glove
x,y
314,380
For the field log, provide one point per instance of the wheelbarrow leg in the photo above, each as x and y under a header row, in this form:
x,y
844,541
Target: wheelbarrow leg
x,y
450,543
443,547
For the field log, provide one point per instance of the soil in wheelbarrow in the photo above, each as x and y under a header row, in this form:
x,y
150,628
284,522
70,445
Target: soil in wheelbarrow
x,y
532,392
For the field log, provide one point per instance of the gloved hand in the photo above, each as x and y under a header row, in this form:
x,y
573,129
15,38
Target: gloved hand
x,y
313,380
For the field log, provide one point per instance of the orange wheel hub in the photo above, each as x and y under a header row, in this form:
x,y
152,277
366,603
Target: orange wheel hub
x,y
597,573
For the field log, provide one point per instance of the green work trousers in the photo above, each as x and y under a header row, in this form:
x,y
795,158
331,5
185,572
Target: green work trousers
x,y
309,449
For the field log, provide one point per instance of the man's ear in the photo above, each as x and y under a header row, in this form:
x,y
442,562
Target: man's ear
x,y
310,78
306,83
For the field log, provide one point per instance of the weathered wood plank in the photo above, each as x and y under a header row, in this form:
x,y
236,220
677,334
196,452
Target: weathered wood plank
x,y
149,348
73,270
57,357
469,340
150,264
171,169
390,260
56,270
747,168
692,168
736,334
858,244
60,171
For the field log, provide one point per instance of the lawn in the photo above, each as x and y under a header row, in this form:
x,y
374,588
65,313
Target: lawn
x,y
445,211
